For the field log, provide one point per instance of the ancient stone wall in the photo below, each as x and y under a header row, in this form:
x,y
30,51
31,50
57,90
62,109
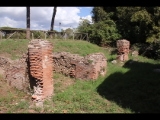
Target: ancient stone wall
x,y
35,69
4,62
14,72
73,65
41,68
123,49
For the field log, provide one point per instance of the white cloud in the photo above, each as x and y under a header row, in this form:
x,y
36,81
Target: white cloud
x,y
88,17
67,16
12,10
41,17
11,23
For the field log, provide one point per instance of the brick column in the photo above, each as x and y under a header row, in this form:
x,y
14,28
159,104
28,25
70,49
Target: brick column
x,y
123,49
41,68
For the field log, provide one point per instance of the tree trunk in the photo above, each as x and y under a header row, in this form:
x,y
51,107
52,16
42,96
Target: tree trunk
x,y
52,21
28,23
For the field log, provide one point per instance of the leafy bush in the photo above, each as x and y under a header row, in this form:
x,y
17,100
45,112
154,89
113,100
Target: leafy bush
x,y
155,50
150,50
104,31
100,32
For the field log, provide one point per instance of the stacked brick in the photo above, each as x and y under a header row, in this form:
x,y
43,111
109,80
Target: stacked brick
x,y
123,50
41,68
75,66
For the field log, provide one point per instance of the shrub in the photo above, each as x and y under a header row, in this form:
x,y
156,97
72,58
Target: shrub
x,y
150,50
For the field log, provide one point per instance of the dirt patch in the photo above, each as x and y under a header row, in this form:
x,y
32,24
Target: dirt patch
x,y
5,55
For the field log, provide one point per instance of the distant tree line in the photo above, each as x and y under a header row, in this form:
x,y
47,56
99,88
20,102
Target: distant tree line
x,y
137,24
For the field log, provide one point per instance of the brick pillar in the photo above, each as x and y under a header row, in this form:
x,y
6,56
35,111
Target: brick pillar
x,y
41,68
123,49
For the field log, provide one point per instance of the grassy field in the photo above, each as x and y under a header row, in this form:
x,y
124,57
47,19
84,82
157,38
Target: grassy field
x,y
129,88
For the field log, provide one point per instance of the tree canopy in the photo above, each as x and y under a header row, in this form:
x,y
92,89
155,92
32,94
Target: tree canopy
x,y
136,24
99,32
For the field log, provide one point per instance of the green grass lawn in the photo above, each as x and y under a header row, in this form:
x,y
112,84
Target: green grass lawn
x,y
131,88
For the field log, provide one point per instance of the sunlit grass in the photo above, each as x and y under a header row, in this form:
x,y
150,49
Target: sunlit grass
x,y
129,88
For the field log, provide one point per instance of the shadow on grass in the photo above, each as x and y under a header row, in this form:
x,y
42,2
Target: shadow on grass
x,y
114,52
138,89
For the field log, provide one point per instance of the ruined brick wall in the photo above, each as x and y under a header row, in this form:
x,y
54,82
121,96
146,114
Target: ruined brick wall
x,y
35,69
73,65
99,63
15,72
41,68
123,49
4,63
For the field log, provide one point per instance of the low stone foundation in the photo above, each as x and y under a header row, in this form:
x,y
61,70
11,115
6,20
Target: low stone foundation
x,y
89,67
73,65
17,74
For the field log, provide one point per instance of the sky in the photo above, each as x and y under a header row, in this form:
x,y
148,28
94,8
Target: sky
x,y
40,17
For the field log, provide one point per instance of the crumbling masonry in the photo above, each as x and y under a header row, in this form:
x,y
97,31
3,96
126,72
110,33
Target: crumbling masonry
x,y
75,66
15,72
123,50
34,70
41,68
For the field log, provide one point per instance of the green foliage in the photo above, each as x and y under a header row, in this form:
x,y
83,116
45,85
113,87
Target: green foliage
x,y
100,32
98,14
153,50
156,50
141,16
68,32
151,39
137,24
104,31
85,26
150,50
